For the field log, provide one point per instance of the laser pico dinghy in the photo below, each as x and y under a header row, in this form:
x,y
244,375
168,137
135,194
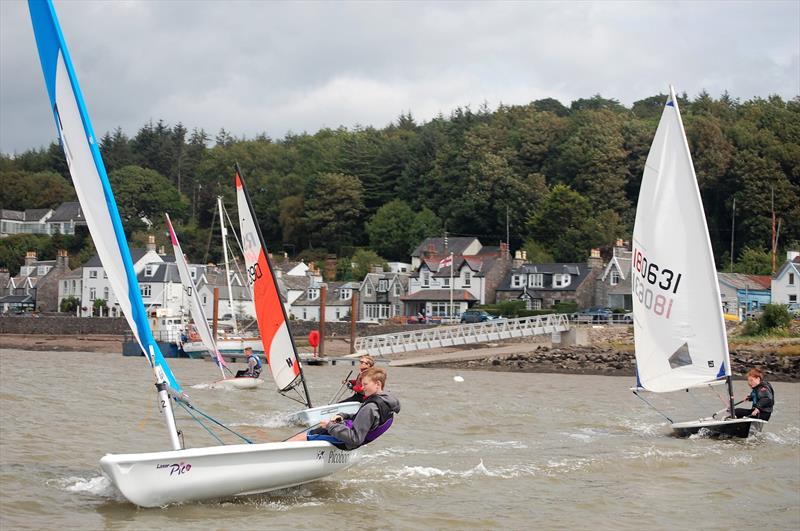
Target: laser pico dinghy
x,y
679,330
180,474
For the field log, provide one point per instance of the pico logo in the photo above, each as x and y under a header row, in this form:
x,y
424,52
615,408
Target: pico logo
x,y
176,469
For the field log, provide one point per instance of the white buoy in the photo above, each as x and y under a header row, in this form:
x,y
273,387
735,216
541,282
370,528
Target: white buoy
x,y
458,379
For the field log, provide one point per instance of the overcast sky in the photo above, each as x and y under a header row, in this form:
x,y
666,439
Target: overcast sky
x,y
276,67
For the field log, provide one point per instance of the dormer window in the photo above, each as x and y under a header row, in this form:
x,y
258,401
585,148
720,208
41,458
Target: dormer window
x,y
614,277
345,294
517,281
149,270
368,290
561,281
193,272
426,279
467,278
313,294
383,284
536,280
93,273
397,290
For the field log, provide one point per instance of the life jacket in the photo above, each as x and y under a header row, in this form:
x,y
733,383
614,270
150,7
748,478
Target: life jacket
x,y
385,418
770,393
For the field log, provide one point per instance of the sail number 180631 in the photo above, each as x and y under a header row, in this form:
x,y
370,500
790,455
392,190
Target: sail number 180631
x,y
646,272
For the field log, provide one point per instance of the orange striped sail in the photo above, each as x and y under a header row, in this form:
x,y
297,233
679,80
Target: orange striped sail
x,y
270,313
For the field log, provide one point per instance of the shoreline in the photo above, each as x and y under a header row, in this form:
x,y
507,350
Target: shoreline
x,y
610,355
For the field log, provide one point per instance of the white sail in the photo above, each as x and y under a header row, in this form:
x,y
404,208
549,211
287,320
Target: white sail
x,y
195,307
678,324
284,364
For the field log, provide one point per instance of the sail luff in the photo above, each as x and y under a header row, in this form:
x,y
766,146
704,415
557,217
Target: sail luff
x,y
91,181
196,309
678,326
273,323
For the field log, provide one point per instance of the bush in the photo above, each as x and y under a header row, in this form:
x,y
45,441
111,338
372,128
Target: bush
x,y
774,317
68,304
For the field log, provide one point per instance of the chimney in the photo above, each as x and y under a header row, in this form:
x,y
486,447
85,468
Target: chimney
x,y
791,255
330,267
62,259
30,258
161,251
505,254
151,243
518,260
595,261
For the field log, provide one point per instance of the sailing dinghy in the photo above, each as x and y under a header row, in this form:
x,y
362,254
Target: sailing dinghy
x,y
273,324
679,331
180,474
201,323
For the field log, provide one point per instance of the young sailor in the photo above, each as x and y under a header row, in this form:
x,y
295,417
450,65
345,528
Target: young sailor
x,y
761,395
372,419
356,385
253,369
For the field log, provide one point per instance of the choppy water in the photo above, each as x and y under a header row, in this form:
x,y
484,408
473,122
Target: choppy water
x,y
498,450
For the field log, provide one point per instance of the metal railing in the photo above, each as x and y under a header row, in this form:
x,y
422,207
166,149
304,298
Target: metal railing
x,y
447,336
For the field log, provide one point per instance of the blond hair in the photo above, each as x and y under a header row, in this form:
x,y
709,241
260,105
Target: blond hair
x,y
375,374
368,359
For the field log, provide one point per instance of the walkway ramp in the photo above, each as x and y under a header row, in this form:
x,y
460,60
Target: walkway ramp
x,y
449,336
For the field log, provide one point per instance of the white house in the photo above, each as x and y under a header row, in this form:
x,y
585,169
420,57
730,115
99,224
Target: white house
x,y
786,282
338,301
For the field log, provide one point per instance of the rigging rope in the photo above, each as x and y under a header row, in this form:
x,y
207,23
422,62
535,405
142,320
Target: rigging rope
x,y
654,407
187,406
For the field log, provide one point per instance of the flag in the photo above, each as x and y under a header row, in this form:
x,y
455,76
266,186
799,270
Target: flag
x,y
447,261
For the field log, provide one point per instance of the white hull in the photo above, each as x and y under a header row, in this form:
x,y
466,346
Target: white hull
x,y
225,346
160,478
243,382
312,416
732,427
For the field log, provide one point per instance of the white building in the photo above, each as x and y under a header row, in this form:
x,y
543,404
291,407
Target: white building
x,y
786,282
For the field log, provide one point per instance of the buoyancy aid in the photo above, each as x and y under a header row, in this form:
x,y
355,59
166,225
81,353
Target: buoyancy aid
x,y
385,418
770,393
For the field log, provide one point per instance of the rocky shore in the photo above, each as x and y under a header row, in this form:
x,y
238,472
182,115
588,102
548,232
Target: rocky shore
x,y
598,360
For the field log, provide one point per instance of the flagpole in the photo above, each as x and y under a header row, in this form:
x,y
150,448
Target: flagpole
x,y
450,311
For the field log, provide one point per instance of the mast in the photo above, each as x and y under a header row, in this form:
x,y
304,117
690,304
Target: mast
x,y
275,283
227,270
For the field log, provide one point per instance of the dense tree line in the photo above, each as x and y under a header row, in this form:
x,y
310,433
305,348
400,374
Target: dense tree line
x,y
559,179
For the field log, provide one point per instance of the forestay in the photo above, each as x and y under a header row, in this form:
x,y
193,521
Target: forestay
x,y
90,180
679,329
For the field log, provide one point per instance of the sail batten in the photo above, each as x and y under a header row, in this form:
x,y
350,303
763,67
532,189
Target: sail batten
x,y
679,329
90,179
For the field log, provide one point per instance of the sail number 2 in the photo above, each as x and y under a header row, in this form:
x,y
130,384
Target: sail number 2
x,y
655,276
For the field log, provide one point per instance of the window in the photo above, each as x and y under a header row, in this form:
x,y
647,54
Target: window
x,y
313,293
383,284
337,314
145,288
446,282
536,280
792,299
92,294
304,314
614,277
150,270
536,304
560,281
426,279
205,300
467,278
791,279
368,290
442,309
92,273
41,270
376,311
397,290
193,272
517,281
105,294
66,286
345,294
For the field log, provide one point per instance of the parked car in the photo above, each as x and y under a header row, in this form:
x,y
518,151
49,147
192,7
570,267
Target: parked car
x,y
595,315
794,309
476,316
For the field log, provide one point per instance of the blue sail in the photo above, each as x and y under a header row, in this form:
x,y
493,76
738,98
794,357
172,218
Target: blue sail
x,y
91,181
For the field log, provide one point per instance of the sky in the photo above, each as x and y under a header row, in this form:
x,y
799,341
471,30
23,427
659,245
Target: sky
x,y
277,67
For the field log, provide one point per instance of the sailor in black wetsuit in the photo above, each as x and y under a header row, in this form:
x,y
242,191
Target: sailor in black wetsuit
x,y
761,395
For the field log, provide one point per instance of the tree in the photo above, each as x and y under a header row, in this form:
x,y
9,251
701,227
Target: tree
x,y
564,226
333,211
21,190
69,304
390,228
140,192
754,261
363,261
426,224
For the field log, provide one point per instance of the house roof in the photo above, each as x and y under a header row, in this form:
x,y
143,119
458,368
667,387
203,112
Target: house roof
x,y
13,215
436,246
745,281
793,264
580,271
136,254
69,211
439,295
164,272
374,279
332,298
35,214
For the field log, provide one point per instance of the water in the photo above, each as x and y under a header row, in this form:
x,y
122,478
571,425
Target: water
x,y
498,450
